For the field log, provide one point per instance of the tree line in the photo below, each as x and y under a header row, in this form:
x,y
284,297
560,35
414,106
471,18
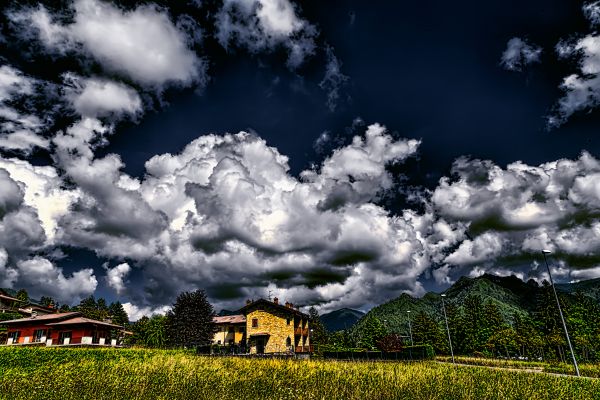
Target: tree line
x,y
479,328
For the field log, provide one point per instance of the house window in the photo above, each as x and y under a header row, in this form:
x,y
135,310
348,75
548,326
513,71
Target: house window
x,y
38,334
288,321
255,322
63,336
14,336
288,341
231,329
241,329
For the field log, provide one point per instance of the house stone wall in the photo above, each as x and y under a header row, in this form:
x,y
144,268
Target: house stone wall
x,y
274,322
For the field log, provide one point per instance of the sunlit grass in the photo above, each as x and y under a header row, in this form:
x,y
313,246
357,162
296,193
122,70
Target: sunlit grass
x,y
155,374
585,369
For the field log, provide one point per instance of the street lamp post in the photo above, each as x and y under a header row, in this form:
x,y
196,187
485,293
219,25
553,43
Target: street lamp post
x,y
447,328
562,318
410,329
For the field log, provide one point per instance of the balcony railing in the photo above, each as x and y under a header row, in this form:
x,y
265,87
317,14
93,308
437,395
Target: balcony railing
x,y
301,331
304,349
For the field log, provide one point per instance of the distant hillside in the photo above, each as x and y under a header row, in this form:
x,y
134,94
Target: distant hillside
x,y
511,295
341,319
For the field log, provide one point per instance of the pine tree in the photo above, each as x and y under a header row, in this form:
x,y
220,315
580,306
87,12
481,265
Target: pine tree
x,y
118,314
22,295
427,331
371,331
64,308
139,331
503,341
455,324
319,334
47,301
492,321
473,323
190,321
92,308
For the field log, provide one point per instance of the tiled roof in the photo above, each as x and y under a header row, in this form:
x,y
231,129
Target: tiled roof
x,y
3,296
230,319
44,318
83,320
281,307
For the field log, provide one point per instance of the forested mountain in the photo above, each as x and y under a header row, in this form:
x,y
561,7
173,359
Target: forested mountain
x,y
492,314
343,318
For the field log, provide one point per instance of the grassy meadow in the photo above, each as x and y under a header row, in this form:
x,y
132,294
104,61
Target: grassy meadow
x,y
40,373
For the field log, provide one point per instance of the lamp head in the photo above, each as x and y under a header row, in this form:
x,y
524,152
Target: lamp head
x,y
444,295
546,251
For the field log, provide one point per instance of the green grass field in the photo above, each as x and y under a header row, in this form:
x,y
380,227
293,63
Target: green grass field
x,y
40,373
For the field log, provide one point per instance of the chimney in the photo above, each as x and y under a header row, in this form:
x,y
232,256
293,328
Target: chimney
x,y
33,314
248,302
276,300
290,305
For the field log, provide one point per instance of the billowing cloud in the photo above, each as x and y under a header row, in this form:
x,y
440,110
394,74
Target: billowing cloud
x,y
115,277
143,44
95,97
18,130
513,213
581,89
42,277
134,312
519,53
11,195
43,191
262,25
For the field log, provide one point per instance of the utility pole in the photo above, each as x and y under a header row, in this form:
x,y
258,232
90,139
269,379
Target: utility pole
x,y
410,329
447,328
562,318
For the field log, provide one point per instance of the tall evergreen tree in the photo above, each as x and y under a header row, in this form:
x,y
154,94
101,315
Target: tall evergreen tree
x,y
372,330
118,314
427,331
319,334
492,319
455,325
47,301
139,332
190,321
473,323
92,308
22,295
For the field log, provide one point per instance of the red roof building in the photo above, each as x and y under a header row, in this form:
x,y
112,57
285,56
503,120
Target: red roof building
x,y
61,329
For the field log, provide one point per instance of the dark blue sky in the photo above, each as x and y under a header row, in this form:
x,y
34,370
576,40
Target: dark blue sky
x,y
426,70
430,71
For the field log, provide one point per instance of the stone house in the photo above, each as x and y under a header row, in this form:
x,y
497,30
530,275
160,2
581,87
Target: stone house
x,y
264,327
275,328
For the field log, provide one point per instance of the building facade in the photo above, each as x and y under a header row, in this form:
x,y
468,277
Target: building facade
x,y
275,328
61,329
231,330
